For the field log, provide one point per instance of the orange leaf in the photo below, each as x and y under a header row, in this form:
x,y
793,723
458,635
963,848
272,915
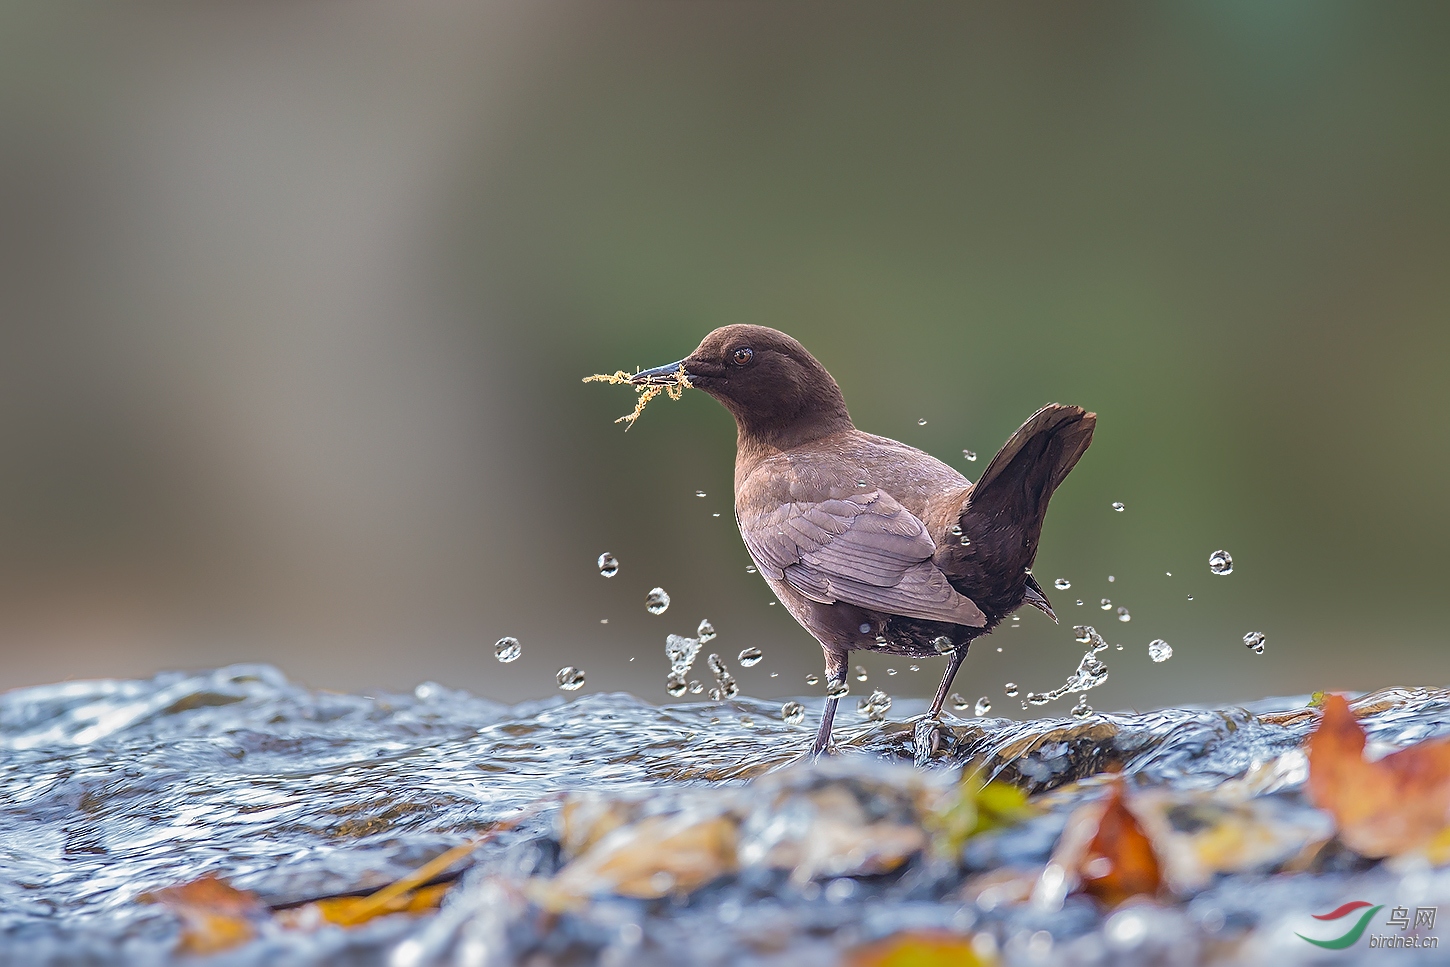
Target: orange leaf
x,y
1119,861
214,915
1397,804
920,949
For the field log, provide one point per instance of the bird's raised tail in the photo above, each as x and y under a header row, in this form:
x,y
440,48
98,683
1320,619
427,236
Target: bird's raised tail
x,y
1001,519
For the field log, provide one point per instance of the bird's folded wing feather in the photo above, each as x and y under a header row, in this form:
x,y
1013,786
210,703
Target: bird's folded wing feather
x,y
865,549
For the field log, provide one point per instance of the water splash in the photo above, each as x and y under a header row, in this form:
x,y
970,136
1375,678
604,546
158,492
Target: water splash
x,y
725,686
294,793
874,706
681,652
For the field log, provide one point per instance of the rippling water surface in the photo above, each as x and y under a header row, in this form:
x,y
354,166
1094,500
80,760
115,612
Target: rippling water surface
x,y
110,789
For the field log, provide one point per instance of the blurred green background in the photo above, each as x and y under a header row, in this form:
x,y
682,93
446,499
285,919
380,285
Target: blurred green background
x,y
295,300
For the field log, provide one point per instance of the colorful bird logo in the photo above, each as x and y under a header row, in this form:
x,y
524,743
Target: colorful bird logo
x,y
1350,936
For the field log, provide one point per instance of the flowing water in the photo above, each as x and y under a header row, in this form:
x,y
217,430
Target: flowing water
x,y
110,789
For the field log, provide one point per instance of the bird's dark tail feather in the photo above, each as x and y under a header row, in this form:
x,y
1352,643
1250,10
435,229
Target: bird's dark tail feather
x,y
1002,518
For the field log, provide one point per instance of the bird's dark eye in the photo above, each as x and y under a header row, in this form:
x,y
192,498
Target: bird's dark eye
x,y
742,355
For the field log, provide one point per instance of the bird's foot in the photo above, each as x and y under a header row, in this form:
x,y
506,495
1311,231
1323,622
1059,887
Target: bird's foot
x,y
928,737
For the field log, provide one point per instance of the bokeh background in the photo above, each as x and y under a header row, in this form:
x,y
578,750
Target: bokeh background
x,y
295,300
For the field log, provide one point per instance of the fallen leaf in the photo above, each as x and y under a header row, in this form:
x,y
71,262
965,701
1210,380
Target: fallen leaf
x,y
406,894
975,808
1398,804
647,859
1104,852
923,949
1200,833
214,915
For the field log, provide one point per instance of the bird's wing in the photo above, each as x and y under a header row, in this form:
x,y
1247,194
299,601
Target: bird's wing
x,y
865,549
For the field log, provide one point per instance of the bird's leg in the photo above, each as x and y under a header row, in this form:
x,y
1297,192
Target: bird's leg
x,y
953,664
835,675
925,737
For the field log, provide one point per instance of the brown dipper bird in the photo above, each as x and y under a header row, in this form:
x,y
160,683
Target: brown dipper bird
x,y
868,542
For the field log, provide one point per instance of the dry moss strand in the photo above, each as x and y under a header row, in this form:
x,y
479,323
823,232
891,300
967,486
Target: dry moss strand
x,y
646,391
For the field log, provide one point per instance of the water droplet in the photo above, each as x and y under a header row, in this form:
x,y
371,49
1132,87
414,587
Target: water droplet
x,y
1119,647
1169,573
1034,698
916,668
1221,562
942,644
1159,650
1011,689
608,565
1255,640
891,671
792,713
1118,506
507,649
657,601
812,680
675,687
604,621
1190,597
750,569
921,422
714,515
706,631
1106,605
965,541
861,483
838,689
874,706
699,493
865,628
1083,633
984,705
1082,709
1062,584
860,673
1123,614
570,678
696,686
1111,579
775,674
1079,602
956,530
959,703
970,455
999,649
750,657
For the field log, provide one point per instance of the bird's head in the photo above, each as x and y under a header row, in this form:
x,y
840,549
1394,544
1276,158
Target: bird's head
x,y
776,390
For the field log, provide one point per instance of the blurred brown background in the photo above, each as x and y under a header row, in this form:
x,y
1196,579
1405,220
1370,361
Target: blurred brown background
x,y
295,299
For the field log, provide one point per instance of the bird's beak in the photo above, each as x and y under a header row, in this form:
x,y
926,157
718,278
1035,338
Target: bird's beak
x,y
672,375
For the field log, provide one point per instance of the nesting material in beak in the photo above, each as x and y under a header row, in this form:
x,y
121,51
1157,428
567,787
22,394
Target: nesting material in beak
x,y
671,380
